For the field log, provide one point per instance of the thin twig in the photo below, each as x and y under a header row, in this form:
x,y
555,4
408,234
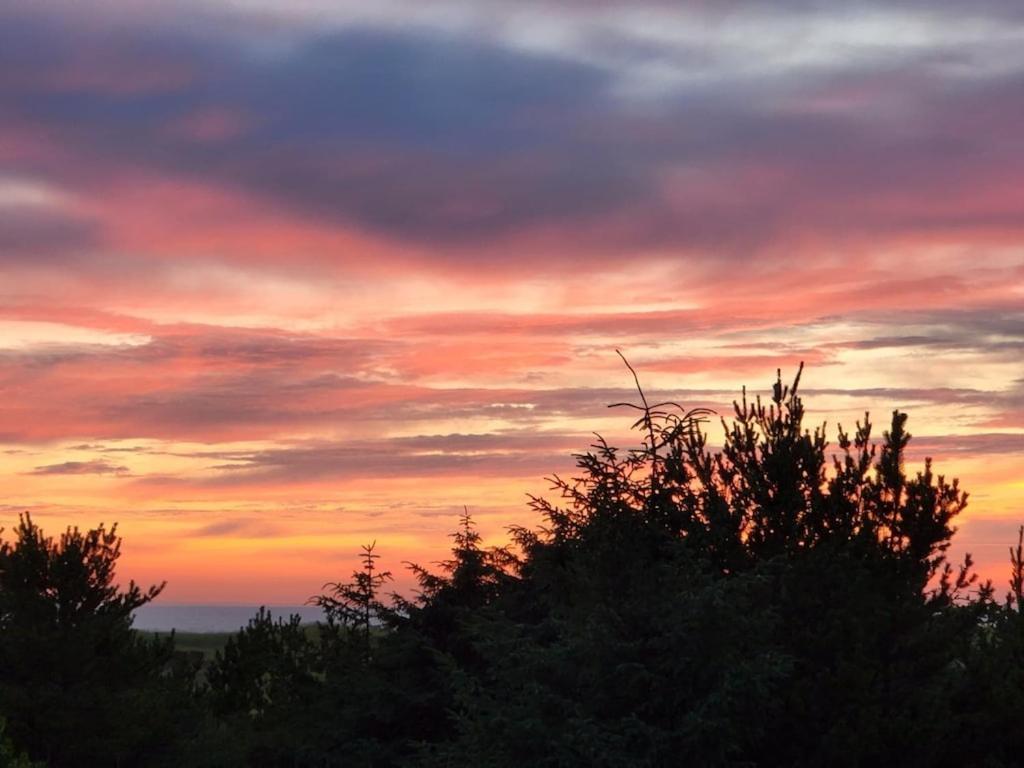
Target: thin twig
x,y
648,422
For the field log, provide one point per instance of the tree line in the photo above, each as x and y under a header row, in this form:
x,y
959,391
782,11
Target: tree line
x,y
779,601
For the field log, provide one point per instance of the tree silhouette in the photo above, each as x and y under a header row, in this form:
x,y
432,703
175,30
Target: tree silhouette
x,y
356,605
264,688
77,685
779,600
1016,596
755,604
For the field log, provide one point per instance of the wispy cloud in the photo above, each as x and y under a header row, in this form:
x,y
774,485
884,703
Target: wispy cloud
x,y
244,527
94,467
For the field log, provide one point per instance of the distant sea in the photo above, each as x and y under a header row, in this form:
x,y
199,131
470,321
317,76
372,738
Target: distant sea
x,y
212,618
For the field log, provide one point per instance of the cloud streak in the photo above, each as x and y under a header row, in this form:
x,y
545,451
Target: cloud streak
x,y
94,467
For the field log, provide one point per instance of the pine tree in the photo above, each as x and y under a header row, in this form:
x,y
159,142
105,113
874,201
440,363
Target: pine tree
x,y
77,685
356,605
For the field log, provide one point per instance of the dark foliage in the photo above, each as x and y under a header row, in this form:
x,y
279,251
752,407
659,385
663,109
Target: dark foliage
x,y
77,685
777,602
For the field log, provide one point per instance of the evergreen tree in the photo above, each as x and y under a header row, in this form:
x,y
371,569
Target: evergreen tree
x,y
77,685
778,601
739,606
265,691
355,606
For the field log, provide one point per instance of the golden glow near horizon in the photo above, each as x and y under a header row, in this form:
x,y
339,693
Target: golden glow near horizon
x,y
270,294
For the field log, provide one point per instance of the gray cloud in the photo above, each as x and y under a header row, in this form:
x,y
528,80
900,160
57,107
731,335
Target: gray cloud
x,y
94,467
973,444
30,236
448,140
239,527
492,455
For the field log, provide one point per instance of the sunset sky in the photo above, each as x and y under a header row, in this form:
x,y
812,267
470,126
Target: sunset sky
x,y
281,278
